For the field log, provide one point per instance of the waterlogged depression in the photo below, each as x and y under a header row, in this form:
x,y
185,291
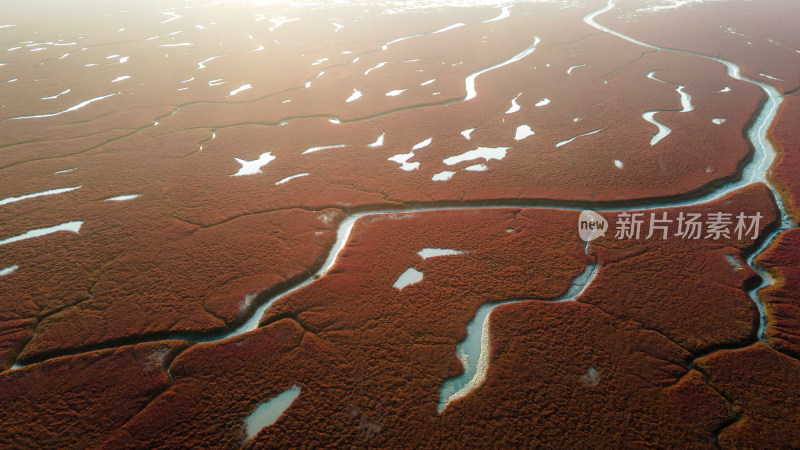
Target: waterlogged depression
x,y
206,208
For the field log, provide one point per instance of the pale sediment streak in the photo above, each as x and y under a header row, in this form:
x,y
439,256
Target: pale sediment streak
x,y
563,143
8,200
52,97
70,109
8,270
73,227
470,80
663,130
292,177
505,13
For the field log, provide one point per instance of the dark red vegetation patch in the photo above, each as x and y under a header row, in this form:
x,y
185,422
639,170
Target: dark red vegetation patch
x,y
127,275
570,375
692,290
74,402
786,139
764,386
611,368
781,299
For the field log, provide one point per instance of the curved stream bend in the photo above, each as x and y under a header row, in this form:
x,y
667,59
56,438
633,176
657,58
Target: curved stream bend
x,y
477,342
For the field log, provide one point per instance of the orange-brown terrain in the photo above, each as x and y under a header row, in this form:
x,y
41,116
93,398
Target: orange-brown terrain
x,y
786,171
370,358
207,207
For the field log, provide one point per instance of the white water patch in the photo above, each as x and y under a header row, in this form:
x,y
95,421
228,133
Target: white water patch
x,y
569,71
652,76
425,83
202,64
122,198
187,80
323,147
8,270
734,262
426,253
8,200
402,159
118,79
378,66
718,121
407,278
589,19
319,61
354,96
270,411
217,82
467,132
444,175
505,13
7,26
173,16
395,92
563,143
514,106
542,102
73,227
523,131
124,59
70,109
63,171
337,27
686,100
671,4
292,177
422,144
378,142
478,342
770,77
278,21
725,89
52,97
253,167
180,44
663,130
487,153
618,163
470,80
477,168
240,89
448,28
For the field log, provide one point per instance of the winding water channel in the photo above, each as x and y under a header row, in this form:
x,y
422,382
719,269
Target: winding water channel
x,y
474,350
